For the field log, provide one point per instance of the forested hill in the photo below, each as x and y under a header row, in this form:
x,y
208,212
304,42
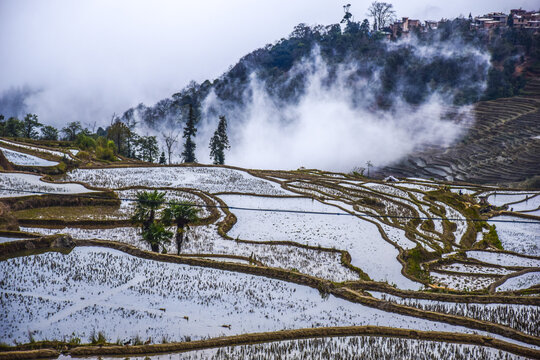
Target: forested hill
x,y
462,64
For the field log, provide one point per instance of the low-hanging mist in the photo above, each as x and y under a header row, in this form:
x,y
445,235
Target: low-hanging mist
x,y
335,121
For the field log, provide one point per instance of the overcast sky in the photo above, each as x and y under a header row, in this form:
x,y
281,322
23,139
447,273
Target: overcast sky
x,y
92,58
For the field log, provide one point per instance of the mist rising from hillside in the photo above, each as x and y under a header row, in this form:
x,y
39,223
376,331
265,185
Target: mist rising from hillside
x,y
335,123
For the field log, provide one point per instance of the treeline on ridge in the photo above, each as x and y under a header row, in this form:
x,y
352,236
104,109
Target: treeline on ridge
x,y
403,73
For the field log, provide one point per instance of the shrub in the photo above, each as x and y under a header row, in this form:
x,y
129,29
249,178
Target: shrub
x,y
75,341
137,340
106,149
99,339
105,153
85,142
62,167
492,238
84,155
413,258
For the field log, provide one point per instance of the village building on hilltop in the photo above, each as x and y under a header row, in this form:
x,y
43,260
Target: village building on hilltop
x,y
518,18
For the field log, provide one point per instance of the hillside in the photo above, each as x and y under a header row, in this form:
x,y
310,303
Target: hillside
x,y
502,146
453,61
469,89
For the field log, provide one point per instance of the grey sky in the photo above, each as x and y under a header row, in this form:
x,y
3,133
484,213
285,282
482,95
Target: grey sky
x,y
93,58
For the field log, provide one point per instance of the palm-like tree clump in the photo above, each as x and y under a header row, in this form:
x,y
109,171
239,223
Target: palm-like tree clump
x,y
154,233
147,205
157,236
182,214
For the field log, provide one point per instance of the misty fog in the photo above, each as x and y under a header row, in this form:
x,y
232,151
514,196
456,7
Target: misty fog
x,y
333,127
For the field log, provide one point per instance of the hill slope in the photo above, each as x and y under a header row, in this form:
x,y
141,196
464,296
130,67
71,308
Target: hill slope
x,y
502,146
453,61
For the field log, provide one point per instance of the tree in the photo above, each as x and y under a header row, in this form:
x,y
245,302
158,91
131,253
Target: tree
x,y
382,13
101,132
170,138
369,165
147,148
352,28
13,127
364,28
510,21
49,133
190,131
181,214
2,125
162,159
147,204
348,16
122,136
29,125
85,142
128,119
157,236
72,130
219,142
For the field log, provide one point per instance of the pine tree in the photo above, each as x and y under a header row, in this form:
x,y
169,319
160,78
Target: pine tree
x,y
219,142
189,132
162,159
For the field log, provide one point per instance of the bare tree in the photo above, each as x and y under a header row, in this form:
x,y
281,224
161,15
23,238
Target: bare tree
x,y
113,118
369,165
382,13
91,126
170,139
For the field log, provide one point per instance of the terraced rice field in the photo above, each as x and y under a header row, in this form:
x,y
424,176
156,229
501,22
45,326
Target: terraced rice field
x,y
331,348
37,149
82,292
21,184
20,158
501,146
273,251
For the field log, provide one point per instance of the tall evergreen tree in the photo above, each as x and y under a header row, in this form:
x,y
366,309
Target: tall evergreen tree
x,y
189,133
219,142
162,159
364,28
